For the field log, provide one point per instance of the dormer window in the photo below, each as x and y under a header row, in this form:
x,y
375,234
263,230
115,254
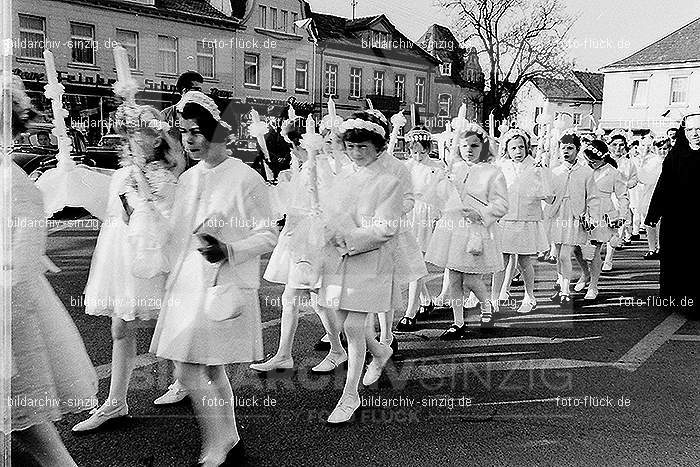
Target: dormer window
x,y
379,39
446,69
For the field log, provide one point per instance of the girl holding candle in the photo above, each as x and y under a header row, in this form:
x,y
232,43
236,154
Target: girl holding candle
x,y
466,239
129,267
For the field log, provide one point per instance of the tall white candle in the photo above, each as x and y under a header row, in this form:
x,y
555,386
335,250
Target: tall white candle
x,y
51,74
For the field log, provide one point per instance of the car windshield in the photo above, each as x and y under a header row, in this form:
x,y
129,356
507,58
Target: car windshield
x,y
38,138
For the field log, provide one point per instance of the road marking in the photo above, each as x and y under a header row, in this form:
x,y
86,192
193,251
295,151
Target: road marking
x,y
685,337
495,341
441,358
526,401
637,355
443,370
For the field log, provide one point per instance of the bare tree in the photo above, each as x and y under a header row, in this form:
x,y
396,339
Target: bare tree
x,y
519,40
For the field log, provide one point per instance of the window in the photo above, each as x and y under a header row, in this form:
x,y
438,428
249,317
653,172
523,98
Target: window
x,y
577,119
379,83
355,82
639,92
400,87
130,41
82,37
446,69
285,19
380,40
420,90
302,76
273,17
32,34
278,72
250,69
167,54
263,16
679,90
295,18
205,58
444,105
331,88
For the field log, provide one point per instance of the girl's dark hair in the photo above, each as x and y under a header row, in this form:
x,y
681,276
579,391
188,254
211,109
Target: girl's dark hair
x,y
212,130
624,140
485,154
603,149
360,135
571,138
426,144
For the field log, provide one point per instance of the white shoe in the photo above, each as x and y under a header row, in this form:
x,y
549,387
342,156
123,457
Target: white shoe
x,y
527,306
580,284
592,294
607,266
330,363
374,369
345,409
273,365
100,416
173,395
495,307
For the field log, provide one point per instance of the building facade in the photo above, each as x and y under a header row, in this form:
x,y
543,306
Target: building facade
x,y
576,99
368,58
655,87
458,78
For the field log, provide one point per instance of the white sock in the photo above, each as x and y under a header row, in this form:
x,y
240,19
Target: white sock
x,y
565,286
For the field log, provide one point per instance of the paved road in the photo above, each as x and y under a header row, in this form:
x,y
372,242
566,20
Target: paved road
x,y
613,383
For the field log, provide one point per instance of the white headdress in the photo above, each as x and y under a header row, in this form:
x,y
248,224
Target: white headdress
x,y
204,101
359,124
619,133
513,133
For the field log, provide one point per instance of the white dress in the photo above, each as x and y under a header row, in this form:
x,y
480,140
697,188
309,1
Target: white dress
x,y
450,246
572,185
129,267
231,203
649,173
432,190
51,372
609,201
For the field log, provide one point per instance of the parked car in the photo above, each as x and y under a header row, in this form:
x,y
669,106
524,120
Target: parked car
x,y
245,149
36,149
107,152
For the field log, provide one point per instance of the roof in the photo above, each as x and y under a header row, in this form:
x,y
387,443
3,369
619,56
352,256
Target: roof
x,y
343,32
591,82
561,89
680,46
192,11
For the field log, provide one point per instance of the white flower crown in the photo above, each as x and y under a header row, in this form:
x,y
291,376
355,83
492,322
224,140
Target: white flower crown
x,y
358,124
591,148
513,133
619,133
204,101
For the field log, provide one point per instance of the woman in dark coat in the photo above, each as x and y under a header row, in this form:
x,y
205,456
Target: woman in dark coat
x,y
675,202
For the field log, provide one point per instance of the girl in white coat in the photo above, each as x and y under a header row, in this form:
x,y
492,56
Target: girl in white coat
x,y
572,184
296,260
358,274
608,203
649,174
466,240
523,233
221,223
